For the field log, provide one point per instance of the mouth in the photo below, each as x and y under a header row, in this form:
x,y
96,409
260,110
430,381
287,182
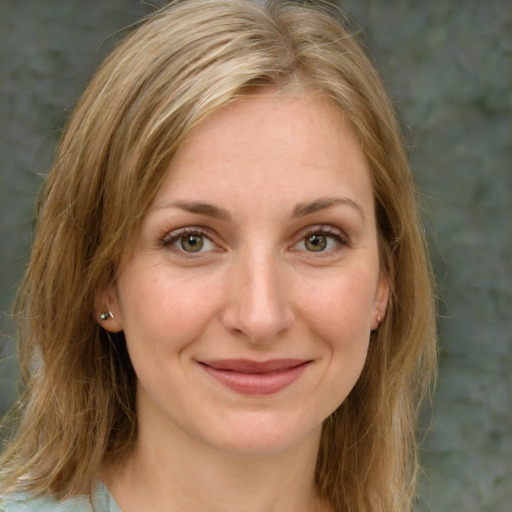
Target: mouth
x,y
255,377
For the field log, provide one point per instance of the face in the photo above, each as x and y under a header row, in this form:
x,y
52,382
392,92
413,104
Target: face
x,y
248,302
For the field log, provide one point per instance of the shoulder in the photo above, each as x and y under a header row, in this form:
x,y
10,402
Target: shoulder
x,y
103,502
23,503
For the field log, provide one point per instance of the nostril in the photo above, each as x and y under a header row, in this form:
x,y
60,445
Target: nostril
x,y
257,325
257,306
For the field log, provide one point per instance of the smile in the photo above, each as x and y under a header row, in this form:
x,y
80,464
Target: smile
x,y
253,377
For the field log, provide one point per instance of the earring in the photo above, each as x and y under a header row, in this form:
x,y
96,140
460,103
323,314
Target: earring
x,y
105,316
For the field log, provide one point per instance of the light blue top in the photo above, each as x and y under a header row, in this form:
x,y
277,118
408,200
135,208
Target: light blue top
x,y
103,502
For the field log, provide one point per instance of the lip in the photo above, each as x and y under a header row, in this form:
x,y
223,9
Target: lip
x,y
255,377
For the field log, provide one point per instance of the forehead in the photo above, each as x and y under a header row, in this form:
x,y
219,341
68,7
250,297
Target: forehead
x,y
267,145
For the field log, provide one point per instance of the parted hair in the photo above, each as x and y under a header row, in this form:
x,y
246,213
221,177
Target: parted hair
x,y
77,415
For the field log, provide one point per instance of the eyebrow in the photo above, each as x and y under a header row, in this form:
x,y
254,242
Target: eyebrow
x,y
303,209
300,210
200,208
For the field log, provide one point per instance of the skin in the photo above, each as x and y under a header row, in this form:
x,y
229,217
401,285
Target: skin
x,y
274,170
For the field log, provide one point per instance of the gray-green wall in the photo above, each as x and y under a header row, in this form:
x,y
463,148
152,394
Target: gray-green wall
x,y
448,66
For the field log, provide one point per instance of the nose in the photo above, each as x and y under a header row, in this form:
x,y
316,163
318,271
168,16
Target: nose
x,y
258,305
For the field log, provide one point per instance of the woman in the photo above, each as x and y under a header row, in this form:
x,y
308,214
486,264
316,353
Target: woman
x,y
228,304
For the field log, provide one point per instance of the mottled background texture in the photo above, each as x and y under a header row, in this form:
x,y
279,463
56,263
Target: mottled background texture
x,y
448,67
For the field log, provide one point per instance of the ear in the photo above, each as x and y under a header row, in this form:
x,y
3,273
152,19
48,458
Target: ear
x,y
106,309
380,302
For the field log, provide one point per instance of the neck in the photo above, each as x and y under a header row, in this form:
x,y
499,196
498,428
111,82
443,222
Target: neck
x,y
176,473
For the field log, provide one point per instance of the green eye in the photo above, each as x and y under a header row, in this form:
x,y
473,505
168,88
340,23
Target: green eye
x,y
192,243
189,242
316,243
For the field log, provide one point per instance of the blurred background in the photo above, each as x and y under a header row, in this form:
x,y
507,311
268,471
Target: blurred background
x,y
448,66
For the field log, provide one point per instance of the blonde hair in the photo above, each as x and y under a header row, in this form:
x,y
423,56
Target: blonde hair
x,y
181,65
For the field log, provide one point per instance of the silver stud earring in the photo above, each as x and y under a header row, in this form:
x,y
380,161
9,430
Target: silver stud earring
x,y
106,315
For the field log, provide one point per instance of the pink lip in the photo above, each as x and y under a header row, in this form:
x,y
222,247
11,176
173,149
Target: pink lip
x,y
254,377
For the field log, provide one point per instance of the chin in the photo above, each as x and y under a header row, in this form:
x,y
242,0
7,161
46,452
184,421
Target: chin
x,y
257,436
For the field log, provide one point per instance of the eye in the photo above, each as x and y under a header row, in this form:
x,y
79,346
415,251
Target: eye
x,y
316,242
321,240
189,241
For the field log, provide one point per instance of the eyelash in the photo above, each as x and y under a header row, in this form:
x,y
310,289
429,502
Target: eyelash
x,y
172,237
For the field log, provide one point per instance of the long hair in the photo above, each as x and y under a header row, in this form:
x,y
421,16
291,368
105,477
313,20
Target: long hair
x,y
183,63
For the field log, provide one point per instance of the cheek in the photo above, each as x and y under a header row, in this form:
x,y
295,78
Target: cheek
x,y
163,311
338,317
340,306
